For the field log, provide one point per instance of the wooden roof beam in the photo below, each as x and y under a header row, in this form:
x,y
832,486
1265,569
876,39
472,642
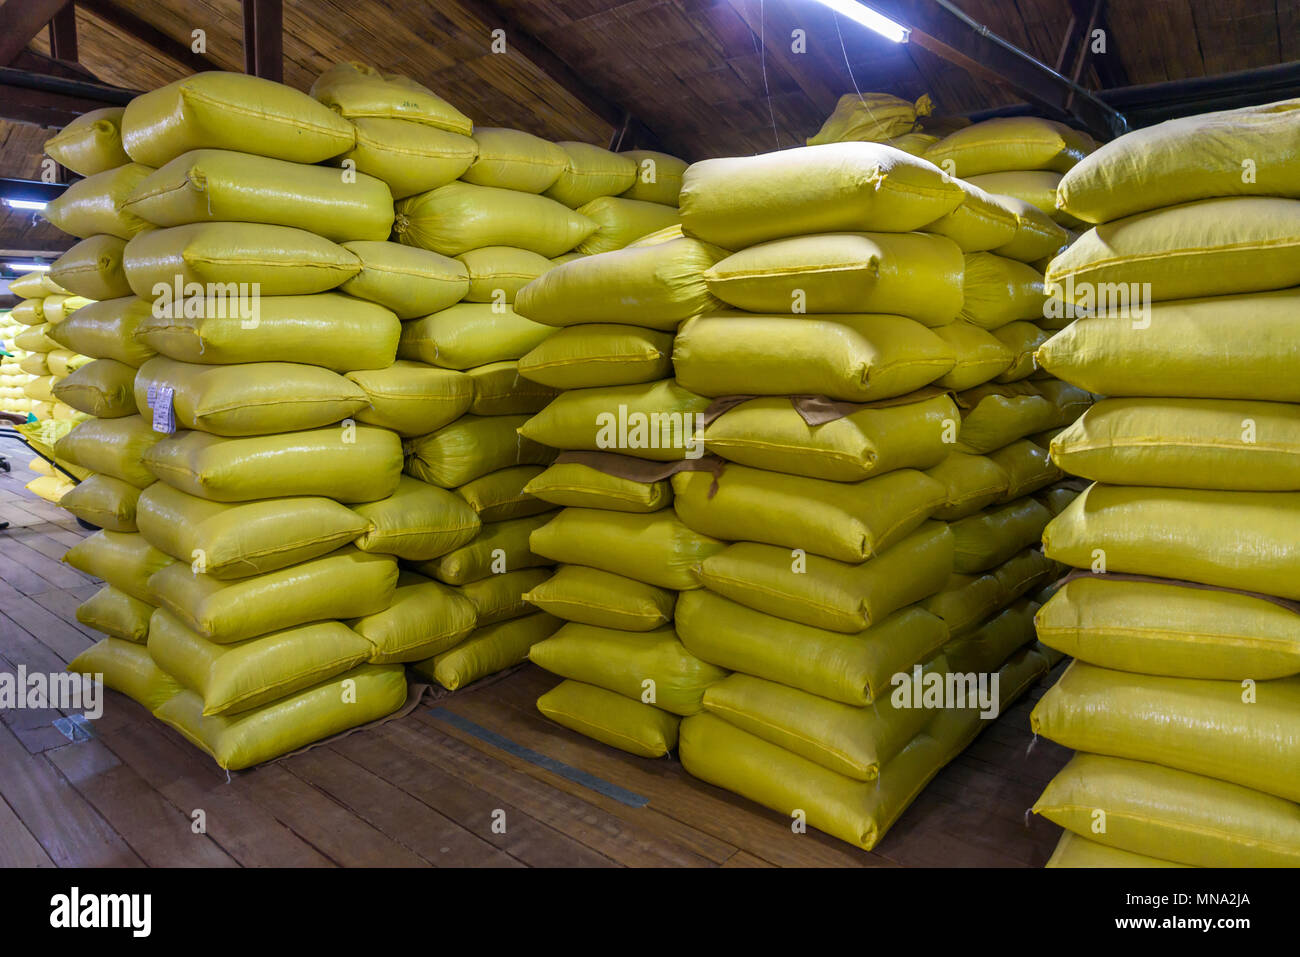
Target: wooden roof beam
x,y
20,21
148,34
63,34
264,39
53,101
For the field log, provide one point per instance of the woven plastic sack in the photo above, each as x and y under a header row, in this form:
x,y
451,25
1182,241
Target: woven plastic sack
x,y
487,651
591,171
1022,339
94,268
424,619
599,354
1028,468
102,388
621,221
96,204
471,447
249,538
972,482
658,420
358,91
829,594
470,334
365,694
1184,632
603,599
1035,187
412,398
500,495
501,597
611,719
980,356
908,274
1008,143
114,447
582,486
116,614
409,157
870,117
1037,234
127,667
998,290
499,389
411,282
499,549
658,177
513,159
738,202
458,217
283,261
103,501
855,358
497,273
995,416
348,464
106,330
1077,852
124,560
417,522
993,536
91,143
981,222
983,649
228,186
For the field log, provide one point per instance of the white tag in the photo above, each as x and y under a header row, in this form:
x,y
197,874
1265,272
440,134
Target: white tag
x,y
153,394
164,417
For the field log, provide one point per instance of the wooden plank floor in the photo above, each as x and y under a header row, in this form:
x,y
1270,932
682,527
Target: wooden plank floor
x,y
422,791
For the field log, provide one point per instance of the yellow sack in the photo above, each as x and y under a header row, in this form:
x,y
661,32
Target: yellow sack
x,y
234,678
501,597
497,273
58,308
848,521
499,389
1028,468
358,91
1035,187
603,599
870,117
1068,401
657,420
225,186
127,667
582,486
250,538
116,614
994,416
235,742
1074,851
855,358
254,398
35,285
220,110
1245,540
104,502
513,159
470,447
655,548
107,330
1037,235
966,601
114,447
907,274
658,177
487,651
1008,143
914,143
35,339
993,536
458,217
1192,158
424,619
981,222
35,364
52,488
621,221
29,312
972,482
739,201
281,260
1172,629
417,522
412,398
1172,815
611,719
825,593
1025,573
770,433
1226,347
409,157
39,389
599,354
984,649
1216,728
102,388
498,549
624,662
348,464
96,204
850,740
1185,443
656,285
981,356
999,290
327,330
500,495
470,334
591,171
411,282
1023,340
343,584
124,560
91,143
94,268
1213,247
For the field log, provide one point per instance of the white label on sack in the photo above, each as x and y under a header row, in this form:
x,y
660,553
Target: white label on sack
x,y
153,394
164,417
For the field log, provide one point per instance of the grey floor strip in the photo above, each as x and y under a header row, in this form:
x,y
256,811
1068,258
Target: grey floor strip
x,y
619,794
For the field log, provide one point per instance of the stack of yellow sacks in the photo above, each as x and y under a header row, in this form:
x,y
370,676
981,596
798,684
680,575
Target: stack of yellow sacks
x,y
878,118
1184,697
245,591
43,305
13,377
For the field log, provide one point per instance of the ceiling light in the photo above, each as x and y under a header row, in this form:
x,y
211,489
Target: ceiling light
x,y
869,18
28,267
25,203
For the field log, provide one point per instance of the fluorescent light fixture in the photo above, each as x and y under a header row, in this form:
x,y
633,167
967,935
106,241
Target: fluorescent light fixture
x,y
25,203
29,267
869,18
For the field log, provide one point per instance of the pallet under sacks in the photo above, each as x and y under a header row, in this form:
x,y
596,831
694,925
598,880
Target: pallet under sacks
x,y
1183,701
